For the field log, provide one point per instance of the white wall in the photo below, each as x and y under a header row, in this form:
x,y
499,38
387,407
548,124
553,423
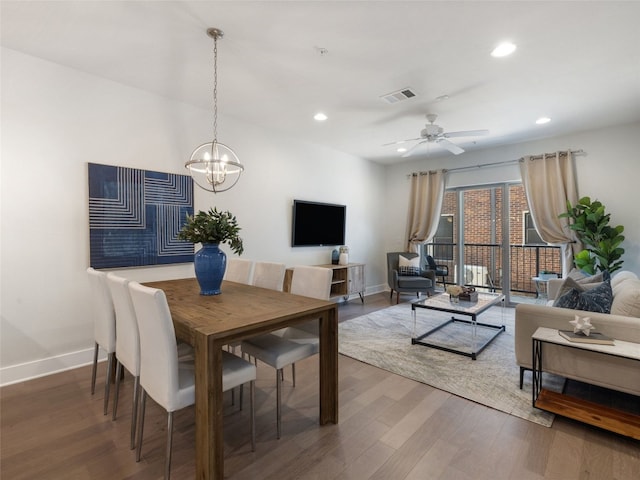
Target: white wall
x,y
55,120
608,171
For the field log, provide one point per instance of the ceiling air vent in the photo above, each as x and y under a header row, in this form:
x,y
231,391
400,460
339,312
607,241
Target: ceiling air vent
x,y
399,96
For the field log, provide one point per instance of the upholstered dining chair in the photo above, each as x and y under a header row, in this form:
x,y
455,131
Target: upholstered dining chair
x,y
269,275
127,345
168,381
238,270
104,329
265,275
277,352
292,344
314,282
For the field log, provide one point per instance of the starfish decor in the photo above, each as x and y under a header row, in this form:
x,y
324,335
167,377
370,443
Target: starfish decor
x,y
582,325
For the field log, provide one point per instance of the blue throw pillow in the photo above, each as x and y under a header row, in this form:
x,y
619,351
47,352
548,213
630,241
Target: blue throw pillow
x,y
568,299
409,271
598,299
567,285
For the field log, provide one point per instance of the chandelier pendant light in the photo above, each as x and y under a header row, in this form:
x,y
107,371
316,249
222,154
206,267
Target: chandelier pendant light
x,y
214,166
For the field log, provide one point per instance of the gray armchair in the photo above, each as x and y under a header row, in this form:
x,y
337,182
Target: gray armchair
x,y
425,282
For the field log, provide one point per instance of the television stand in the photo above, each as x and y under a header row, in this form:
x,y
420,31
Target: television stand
x,y
346,280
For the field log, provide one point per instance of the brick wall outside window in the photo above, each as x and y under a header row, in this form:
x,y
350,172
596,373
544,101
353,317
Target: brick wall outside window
x,y
480,222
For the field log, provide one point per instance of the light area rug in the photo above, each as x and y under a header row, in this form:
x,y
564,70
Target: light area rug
x,y
383,339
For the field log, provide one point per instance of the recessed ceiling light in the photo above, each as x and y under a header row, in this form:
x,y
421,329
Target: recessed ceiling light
x,y
543,120
401,150
504,49
320,117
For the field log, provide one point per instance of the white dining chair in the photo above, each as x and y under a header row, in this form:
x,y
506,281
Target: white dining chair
x,y
269,275
104,329
127,345
292,344
314,282
277,352
168,381
238,270
265,275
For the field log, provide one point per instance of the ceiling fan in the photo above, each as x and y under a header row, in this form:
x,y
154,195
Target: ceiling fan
x,y
435,134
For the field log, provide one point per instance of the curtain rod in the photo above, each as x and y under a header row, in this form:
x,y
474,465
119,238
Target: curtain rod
x,y
493,164
506,162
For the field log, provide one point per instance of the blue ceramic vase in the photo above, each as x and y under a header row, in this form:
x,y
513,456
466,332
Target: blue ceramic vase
x,y
210,263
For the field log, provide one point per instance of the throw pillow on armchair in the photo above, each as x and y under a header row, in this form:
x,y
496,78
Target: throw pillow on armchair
x,y
409,267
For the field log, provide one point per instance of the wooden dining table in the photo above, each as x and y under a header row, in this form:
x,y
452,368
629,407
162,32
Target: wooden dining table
x,y
241,311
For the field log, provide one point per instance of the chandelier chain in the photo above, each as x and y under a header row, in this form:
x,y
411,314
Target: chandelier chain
x,y
215,90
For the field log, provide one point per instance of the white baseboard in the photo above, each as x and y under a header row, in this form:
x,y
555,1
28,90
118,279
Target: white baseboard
x,y
372,290
383,287
47,366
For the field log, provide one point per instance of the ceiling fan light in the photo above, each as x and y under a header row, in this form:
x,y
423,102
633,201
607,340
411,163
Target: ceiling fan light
x,y
432,133
503,50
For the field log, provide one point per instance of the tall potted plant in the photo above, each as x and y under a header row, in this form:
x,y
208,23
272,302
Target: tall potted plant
x,y
602,242
211,229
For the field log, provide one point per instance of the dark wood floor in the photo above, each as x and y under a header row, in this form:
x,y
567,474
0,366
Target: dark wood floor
x,y
390,428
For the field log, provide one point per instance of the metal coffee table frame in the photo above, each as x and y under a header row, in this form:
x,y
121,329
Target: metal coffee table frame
x,y
472,309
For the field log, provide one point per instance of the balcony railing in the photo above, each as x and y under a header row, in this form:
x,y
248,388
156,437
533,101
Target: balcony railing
x,y
483,264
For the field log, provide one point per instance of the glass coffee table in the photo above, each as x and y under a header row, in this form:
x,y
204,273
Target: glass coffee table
x,y
442,303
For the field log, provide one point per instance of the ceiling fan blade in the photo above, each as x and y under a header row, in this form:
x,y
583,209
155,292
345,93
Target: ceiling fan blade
x,y
412,150
399,142
452,147
466,133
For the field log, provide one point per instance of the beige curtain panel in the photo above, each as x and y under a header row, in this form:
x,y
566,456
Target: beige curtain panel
x,y
549,181
425,204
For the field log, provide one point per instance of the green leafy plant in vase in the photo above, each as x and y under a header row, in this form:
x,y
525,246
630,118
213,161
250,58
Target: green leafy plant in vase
x,y
211,228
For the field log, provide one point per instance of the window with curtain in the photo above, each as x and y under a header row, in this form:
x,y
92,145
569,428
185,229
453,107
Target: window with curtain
x,y
443,239
530,235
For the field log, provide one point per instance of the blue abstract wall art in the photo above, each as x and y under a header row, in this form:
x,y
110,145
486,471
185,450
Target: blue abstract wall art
x,y
135,216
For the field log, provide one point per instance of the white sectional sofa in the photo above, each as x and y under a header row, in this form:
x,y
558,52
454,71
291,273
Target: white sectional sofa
x,y
623,323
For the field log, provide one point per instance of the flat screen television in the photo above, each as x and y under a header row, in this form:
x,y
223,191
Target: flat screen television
x,y
317,224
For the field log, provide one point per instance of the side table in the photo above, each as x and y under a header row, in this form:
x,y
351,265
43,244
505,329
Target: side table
x,y
584,411
540,282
